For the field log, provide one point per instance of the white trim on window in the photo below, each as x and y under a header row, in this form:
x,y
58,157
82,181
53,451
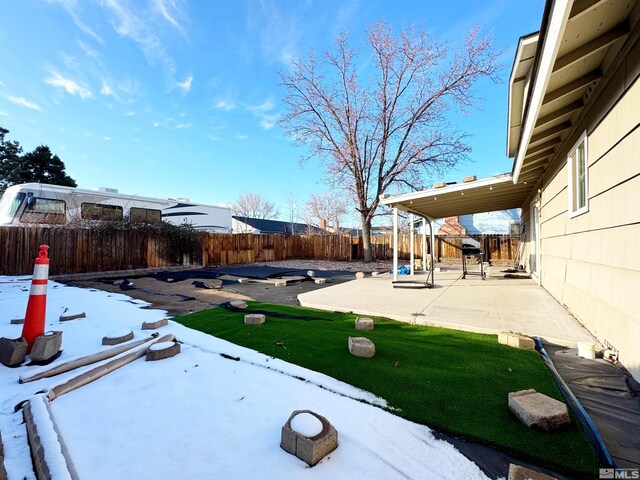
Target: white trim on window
x,y
578,177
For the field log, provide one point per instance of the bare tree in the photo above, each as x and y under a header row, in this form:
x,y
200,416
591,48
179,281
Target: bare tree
x,y
390,127
254,205
326,209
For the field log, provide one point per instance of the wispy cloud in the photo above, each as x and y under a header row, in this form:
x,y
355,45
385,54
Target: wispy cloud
x,y
241,136
226,105
4,114
180,126
264,111
107,138
69,85
74,9
130,114
186,85
23,102
278,31
214,138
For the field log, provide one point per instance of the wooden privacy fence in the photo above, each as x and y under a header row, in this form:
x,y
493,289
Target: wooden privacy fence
x,y
83,251
499,249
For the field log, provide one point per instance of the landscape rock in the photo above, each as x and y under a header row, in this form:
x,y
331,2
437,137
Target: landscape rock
x,y
439,185
361,347
364,324
238,304
309,449
117,339
538,411
162,350
517,341
471,178
154,325
375,274
46,346
359,275
243,280
319,281
254,319
280,283
518,472
311,273
12,351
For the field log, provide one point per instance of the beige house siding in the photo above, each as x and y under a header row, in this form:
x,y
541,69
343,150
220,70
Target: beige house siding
x,y
591,263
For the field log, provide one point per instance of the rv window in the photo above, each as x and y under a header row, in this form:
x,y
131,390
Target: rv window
x,y
97,211
9,206
44,210
144,215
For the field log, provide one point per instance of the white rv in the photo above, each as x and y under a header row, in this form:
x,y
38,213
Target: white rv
x,y
39,203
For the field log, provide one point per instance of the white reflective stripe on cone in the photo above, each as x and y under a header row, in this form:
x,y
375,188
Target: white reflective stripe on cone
x,y
41,271
38,290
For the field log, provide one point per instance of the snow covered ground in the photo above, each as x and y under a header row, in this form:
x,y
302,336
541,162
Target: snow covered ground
x,y
199,415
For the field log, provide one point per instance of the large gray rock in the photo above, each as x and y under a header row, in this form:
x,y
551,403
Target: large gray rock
x,y
538,411
254,319
518,472
155,325
516,340
46,346
361,347
309,449
364,324
12,352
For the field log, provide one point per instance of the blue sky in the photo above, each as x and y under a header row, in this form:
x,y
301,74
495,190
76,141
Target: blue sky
x,y
169,98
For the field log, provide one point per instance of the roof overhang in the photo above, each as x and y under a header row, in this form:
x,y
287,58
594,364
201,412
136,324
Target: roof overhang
x,y
484,195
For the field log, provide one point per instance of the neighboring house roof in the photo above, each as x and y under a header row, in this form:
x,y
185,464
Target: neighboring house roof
x,y
278,226
557,75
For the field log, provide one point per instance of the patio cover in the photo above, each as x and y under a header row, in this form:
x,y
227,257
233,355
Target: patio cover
x,y
484,195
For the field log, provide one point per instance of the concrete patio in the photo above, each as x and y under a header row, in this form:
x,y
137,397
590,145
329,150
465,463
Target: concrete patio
x,y
494,305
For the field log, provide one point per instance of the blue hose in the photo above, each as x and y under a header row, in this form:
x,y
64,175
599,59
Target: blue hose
x,y
578,410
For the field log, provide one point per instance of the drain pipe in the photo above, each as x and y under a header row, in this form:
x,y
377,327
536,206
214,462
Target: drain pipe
x,y
578,410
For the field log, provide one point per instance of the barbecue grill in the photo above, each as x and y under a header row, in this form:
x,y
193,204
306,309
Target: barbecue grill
x,y
472,250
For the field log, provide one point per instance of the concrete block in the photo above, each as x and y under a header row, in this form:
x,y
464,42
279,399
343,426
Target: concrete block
x,y
238,304
518,472
364,324
116,339
280,283
17,321
154,325
538,411
359,275
309,449
319,281
12,352
471,178
517,341
46,346
243,280
72,317
361,347
254,319
162,350
439,185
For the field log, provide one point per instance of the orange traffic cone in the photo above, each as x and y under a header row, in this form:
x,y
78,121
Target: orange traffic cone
x,y
37,306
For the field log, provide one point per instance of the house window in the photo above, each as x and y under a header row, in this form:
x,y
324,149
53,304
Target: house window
x,y
144,215
578,178
98,211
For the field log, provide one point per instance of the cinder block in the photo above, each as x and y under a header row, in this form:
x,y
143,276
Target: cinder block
x,y
309,449
361,347
319,281
116,339
359,275
517,341
254,319
162,350
364,324
518,472
538,411
46,346
12,352
154,325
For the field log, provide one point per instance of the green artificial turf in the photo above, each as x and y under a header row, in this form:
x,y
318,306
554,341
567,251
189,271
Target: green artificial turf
x,y
450,380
